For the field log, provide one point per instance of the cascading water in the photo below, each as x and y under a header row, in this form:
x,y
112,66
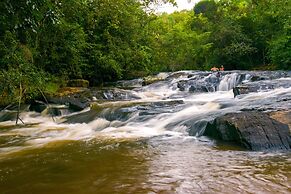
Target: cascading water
x,y
143,137
228,82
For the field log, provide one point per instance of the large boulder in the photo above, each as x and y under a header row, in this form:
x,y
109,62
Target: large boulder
x,y
75,102
199,83
244,89
76,98
252,130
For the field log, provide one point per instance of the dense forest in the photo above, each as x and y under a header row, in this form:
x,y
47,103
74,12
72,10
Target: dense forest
x,y
50,41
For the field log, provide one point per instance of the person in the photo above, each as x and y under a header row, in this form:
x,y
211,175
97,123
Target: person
x,y
214,68
221,68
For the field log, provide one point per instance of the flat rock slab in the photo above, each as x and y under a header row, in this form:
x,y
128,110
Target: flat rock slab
x,y
253,130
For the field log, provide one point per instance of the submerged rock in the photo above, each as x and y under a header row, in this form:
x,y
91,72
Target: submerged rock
x,y
252,130
82,117
8,115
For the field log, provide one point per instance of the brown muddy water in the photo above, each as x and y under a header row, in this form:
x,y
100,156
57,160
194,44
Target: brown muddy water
x,y
154,165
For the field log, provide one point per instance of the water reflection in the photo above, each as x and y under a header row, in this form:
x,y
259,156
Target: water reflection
x,y
76,167
155,165
191,167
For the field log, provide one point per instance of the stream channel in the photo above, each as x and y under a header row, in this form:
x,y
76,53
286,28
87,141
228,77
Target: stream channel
x,y
148,140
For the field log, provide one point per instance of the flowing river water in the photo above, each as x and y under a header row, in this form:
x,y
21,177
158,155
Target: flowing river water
x,y
149,142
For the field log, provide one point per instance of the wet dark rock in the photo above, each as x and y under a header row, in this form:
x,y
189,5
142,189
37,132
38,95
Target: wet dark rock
x,y
261,86
75,102
76,98
252,130
200,82
83,117
121,114
51,109
14,107
130,83
213,79
167,103
54,111
266,75
159,107
258,78
198,127
198,88
119,94
244,89
8,115
179,74
37,106
80,98
206,86
182,85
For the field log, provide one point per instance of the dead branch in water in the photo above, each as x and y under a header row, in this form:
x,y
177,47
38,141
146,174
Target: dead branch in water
x,y
46,101
19,104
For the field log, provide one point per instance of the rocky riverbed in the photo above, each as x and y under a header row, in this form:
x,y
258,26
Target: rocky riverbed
x,y
170,90
155,134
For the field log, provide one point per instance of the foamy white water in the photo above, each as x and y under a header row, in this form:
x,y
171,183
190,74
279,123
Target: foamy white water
x,y
162,109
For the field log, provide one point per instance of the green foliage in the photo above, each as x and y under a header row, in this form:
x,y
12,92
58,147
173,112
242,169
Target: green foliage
x,y
19,74
175,45
239,34
60,49
207,8
106,40
279,46
280,52
116,44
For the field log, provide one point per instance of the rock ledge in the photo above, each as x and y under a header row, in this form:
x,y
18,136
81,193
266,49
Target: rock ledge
x,y
253,130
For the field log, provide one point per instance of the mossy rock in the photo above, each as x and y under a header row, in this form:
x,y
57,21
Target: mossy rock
x,y
67,91
151,79
78,83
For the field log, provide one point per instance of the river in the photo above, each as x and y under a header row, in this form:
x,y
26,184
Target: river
x,y
150,141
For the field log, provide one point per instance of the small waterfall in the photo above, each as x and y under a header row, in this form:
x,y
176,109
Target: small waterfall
x,y
229,81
